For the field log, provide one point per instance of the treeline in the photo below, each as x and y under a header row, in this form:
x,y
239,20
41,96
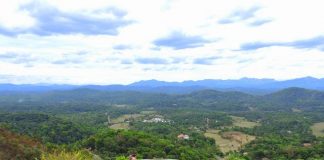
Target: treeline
x,y
46,128
86,100
110,143
282,135
40,135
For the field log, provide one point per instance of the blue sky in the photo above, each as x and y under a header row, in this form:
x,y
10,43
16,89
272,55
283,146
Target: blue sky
x,y
122,41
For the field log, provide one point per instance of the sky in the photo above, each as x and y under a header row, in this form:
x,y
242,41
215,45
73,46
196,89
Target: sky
x,y
123,41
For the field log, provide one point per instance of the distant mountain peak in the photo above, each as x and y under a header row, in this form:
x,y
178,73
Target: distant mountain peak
x,y
152,83
307,78
245,84
264,79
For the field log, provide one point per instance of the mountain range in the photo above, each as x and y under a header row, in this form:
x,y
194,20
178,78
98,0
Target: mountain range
x,y
247,85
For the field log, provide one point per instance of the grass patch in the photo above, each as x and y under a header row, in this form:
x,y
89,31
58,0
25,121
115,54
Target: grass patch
x,y
122,122
125,117
242,122
148,112
116,126
296,110
77,155
229,141
318,129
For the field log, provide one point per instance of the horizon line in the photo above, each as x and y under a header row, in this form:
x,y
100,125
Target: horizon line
x,y
98,84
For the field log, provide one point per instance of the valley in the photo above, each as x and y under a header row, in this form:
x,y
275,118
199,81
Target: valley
x,y
207,124
161,80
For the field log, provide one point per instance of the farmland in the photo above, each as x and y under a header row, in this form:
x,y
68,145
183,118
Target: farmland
x,y
318,129
229,141
242,122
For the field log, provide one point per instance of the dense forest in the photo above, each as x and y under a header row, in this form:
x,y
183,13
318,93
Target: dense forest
x,y
207,124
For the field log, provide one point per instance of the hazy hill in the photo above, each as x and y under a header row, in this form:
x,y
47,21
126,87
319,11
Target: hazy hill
x,y
80,100
247,85
298,98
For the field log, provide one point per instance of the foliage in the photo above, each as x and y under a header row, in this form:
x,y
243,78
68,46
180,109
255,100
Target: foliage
x,y
109,143
196,118
44,127
13,146
63,155
235,156
121,158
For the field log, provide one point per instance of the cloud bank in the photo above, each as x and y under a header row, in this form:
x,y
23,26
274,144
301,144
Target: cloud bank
x,y
108,42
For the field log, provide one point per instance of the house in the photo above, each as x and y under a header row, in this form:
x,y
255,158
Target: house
x,y
156,120
183,136
307,144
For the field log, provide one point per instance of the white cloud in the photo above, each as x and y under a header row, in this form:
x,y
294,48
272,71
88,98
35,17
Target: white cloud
x,y
114,58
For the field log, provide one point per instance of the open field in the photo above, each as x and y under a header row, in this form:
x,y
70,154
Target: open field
x,y
148,112
318,129
242,122
229,141
120,126
296,110
224,144
121,121
121,106
122,118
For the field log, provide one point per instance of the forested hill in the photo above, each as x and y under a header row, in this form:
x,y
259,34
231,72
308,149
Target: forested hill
x,y
79,99
294,95
296,98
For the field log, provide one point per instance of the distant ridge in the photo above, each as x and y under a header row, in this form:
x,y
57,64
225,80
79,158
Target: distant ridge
x,y
248,85
244,84
210,83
